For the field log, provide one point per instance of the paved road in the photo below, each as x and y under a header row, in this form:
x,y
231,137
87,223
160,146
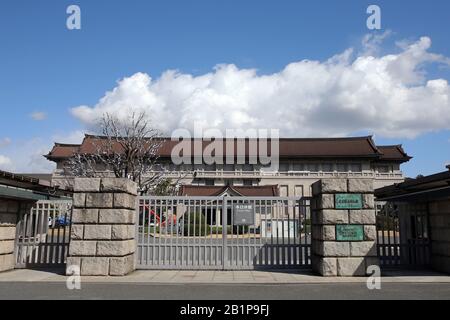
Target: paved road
x,y
24,290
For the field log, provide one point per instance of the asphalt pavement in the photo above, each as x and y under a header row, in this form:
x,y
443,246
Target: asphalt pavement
x,y
231,292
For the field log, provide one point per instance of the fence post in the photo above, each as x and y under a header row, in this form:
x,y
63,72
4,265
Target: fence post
x,y
343,227
224,232
103,227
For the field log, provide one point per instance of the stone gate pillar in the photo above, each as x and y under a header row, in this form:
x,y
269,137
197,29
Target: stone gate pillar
x,y
103,226
343,227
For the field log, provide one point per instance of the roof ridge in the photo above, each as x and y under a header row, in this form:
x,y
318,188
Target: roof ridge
x,y
373,145
59,144
251,138
389,145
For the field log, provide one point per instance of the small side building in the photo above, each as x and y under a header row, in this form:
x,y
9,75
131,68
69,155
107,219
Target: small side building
x,y
18,194
424,211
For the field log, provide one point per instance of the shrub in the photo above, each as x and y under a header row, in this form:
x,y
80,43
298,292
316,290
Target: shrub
x,y
231,230
200,228
240,229
197,230
219,230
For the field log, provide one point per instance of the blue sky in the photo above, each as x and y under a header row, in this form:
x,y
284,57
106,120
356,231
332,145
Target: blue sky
x,y
47,70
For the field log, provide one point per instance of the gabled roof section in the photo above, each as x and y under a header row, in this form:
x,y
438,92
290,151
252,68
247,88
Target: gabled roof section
x,y
215,191
394,152
63,151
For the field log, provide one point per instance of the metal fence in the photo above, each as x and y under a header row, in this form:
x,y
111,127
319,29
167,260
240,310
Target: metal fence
x,y
43,235
402,235
223,233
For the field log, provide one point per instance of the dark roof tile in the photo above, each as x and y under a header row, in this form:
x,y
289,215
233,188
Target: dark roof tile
x,y
362,147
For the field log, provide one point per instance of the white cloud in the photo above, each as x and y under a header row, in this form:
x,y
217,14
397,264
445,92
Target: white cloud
x,y
38,116
6,163
75,137
371,42
27,155
4,142
388,95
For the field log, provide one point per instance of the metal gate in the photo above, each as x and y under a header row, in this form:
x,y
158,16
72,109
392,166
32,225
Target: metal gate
x,y
223,233
402,235
43,234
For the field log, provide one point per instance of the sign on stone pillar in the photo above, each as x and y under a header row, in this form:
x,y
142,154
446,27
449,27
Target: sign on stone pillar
x,y
343,227
103,227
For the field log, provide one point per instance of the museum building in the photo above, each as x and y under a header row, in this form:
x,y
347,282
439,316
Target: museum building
x,y
302,161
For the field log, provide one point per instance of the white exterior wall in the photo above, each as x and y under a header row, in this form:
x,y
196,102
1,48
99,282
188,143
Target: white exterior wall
x,y
290,183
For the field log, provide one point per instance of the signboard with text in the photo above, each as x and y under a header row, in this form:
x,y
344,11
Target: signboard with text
x,y
346,232
348,201
243,214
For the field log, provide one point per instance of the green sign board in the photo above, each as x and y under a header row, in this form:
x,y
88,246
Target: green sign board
x,y
348,201
346,232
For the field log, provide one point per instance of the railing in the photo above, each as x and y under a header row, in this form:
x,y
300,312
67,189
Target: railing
x,y
43,234
303,174
223,233
261,174
396,244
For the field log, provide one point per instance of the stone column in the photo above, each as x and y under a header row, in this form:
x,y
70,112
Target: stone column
x,y
331,257
103,226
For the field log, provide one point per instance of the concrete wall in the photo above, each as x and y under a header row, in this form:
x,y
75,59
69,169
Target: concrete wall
x,y
331,257
440,234
9,215
103,226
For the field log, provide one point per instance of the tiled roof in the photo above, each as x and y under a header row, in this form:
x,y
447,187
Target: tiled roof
x,y
248,191
439,183
393,153
353,147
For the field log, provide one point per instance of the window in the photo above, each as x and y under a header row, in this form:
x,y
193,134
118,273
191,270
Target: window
x,y
247,167
327,167
283,191
298,167
355,167
199,167
248,182
228,167
198,182
298,192
342,167
314,167
284,167
209,182
382,169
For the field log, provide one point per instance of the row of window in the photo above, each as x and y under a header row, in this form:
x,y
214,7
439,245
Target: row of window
x,y
283,167
228,182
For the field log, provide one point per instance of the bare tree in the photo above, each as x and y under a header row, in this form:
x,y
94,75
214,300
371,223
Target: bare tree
x,y
129,149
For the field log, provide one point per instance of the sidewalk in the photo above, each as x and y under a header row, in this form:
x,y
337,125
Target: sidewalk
x,y
221,277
